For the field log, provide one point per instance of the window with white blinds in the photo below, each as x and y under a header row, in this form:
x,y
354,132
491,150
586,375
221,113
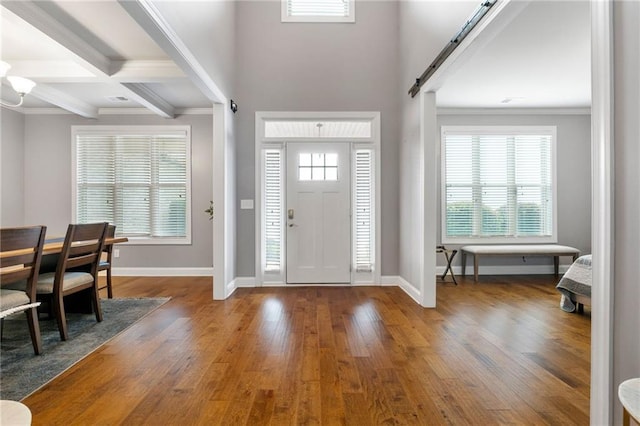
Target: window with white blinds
x,y
137,178
273,210
364,208
318,11
498,184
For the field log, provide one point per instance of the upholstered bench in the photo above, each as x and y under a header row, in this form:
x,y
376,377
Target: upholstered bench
x,y
554,250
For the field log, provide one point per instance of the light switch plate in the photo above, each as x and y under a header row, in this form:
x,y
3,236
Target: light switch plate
x,y
246,204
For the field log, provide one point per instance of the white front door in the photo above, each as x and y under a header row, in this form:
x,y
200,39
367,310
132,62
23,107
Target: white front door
x,y
318,213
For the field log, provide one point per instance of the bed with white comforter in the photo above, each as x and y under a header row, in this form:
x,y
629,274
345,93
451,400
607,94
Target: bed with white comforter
x,y
575,285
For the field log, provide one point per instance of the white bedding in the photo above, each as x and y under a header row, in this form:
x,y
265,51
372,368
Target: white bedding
x,y
576,282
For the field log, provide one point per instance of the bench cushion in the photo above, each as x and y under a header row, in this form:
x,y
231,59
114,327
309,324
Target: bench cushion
x,y
529,249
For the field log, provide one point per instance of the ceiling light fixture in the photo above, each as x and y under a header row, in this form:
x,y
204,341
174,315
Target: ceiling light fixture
x,y
21,85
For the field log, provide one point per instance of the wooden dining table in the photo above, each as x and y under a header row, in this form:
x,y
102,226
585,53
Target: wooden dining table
x,y
54,245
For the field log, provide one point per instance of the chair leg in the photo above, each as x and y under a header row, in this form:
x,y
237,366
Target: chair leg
x,y
109,288
95,299
58,307
34,329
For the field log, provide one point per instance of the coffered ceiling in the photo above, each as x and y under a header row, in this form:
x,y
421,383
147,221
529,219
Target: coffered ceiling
x,y
88,57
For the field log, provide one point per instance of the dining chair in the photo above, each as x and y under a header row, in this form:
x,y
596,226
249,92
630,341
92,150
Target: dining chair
x,y
20,256
105,264
76,271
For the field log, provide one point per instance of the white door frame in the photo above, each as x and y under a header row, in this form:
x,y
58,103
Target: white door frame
x,y
262,142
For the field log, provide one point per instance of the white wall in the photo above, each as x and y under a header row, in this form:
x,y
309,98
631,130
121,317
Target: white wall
x,y
317,67
207,28
573,179
626,291
47,184
425,28
12,168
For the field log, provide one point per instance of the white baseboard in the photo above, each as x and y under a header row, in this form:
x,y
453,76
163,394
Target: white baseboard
x,y
389,280
385,280
231,287
245,282
396,280
162,272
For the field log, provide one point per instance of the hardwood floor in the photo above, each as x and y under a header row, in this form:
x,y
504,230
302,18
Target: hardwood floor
x,y
497,352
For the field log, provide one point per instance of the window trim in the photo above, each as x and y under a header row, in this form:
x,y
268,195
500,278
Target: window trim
x,y
142,130
502,130
350,18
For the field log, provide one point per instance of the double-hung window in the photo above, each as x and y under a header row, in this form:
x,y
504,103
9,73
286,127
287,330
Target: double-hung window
x,y
136,177
498,184
318,11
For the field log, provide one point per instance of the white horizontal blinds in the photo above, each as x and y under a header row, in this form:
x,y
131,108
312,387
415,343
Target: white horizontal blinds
x,y
324,8
273,209
459,196
96,178
168,186
136,181
498,185
133,185
364,210
534,183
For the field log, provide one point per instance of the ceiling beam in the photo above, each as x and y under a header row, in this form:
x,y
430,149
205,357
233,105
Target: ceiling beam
x,y
68,71
146,14
147,71
63,100
149,99
90,58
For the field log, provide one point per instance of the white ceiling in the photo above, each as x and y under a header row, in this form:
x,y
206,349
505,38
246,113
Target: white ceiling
x,y
540,59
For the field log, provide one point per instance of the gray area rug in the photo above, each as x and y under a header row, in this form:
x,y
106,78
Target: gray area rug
x,y
22,372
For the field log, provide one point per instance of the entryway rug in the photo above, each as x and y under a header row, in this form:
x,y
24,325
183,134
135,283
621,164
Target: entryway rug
x,y
22,372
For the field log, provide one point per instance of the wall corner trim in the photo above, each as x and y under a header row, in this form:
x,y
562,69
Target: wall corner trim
x,y
396,280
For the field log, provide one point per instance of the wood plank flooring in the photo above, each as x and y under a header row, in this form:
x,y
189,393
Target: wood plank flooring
x,y
497,352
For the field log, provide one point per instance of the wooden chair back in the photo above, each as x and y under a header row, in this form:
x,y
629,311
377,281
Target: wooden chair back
x,y
20,255
108,249
82,248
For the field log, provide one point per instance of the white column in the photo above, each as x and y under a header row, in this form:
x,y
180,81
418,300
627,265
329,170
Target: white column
x,y
602,213
430,140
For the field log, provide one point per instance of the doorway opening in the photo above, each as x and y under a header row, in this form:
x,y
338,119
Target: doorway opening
x,y
317,198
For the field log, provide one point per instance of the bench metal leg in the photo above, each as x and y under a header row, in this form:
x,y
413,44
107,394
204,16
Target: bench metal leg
x,y
475,267
556,265
449,268
464,263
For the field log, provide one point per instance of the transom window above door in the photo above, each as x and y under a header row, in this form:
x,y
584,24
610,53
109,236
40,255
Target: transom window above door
x,y
329,129
317,166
